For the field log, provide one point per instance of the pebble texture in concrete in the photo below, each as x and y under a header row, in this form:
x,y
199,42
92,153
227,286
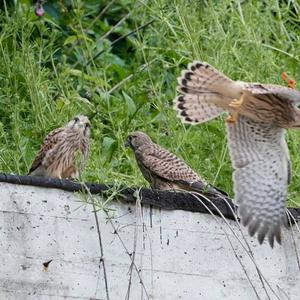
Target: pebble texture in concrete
x,y
148,253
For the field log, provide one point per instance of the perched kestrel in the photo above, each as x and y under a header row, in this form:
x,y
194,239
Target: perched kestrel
x,y
258,115
162,169
57,155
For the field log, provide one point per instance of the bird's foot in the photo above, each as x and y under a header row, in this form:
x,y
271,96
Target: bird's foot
x,y
74,179
74,176
232,118
237,103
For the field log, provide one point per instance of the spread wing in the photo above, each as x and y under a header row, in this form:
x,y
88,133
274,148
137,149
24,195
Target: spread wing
x,y
273,90
261,161
169,167
204,93
49,143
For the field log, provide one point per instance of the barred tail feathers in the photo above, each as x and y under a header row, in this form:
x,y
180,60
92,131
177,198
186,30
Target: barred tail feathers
x,y
203,90
196,108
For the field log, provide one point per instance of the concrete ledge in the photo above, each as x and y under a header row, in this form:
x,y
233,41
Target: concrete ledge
x,y
148,253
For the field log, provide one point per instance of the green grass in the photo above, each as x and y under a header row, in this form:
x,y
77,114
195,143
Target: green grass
x,y
45,78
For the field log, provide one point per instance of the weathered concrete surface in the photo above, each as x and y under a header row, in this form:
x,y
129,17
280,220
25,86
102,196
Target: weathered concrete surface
x,y
180,255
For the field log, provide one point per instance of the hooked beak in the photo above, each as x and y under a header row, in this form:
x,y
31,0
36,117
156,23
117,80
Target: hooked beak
x,y
126,144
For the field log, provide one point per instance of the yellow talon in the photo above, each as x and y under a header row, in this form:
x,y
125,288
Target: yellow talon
x,y
232,118
237,103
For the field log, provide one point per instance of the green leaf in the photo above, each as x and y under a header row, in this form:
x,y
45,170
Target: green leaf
x,y
70,40
131,107
108,147
97,80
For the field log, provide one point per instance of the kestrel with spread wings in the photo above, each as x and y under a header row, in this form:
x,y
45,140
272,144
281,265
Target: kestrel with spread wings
x,y
164,170
57,155
258,115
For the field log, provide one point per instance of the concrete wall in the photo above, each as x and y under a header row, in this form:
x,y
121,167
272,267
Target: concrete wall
x,y
178,255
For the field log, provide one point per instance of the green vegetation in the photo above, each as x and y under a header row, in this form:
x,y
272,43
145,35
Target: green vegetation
x,y
66,63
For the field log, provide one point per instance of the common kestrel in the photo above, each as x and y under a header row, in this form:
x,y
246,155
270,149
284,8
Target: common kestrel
x,y
258,115
162,169
57,155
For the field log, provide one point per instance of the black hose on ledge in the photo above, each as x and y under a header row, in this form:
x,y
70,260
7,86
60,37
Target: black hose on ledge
x,y
218,204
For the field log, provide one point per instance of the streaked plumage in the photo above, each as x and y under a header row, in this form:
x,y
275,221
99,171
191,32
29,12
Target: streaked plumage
x,y
162,169
259,153
57,155
206,93
260,158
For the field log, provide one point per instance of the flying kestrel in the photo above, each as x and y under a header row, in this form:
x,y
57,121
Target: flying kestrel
x,y
162,169
57,155
258,115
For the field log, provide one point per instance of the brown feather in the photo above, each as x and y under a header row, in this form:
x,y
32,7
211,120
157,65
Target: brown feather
x,y
164,170
206,93
49,142
57,155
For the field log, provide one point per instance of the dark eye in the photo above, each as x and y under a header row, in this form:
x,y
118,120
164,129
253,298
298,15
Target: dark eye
x,y
87,125
76,119
130,138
